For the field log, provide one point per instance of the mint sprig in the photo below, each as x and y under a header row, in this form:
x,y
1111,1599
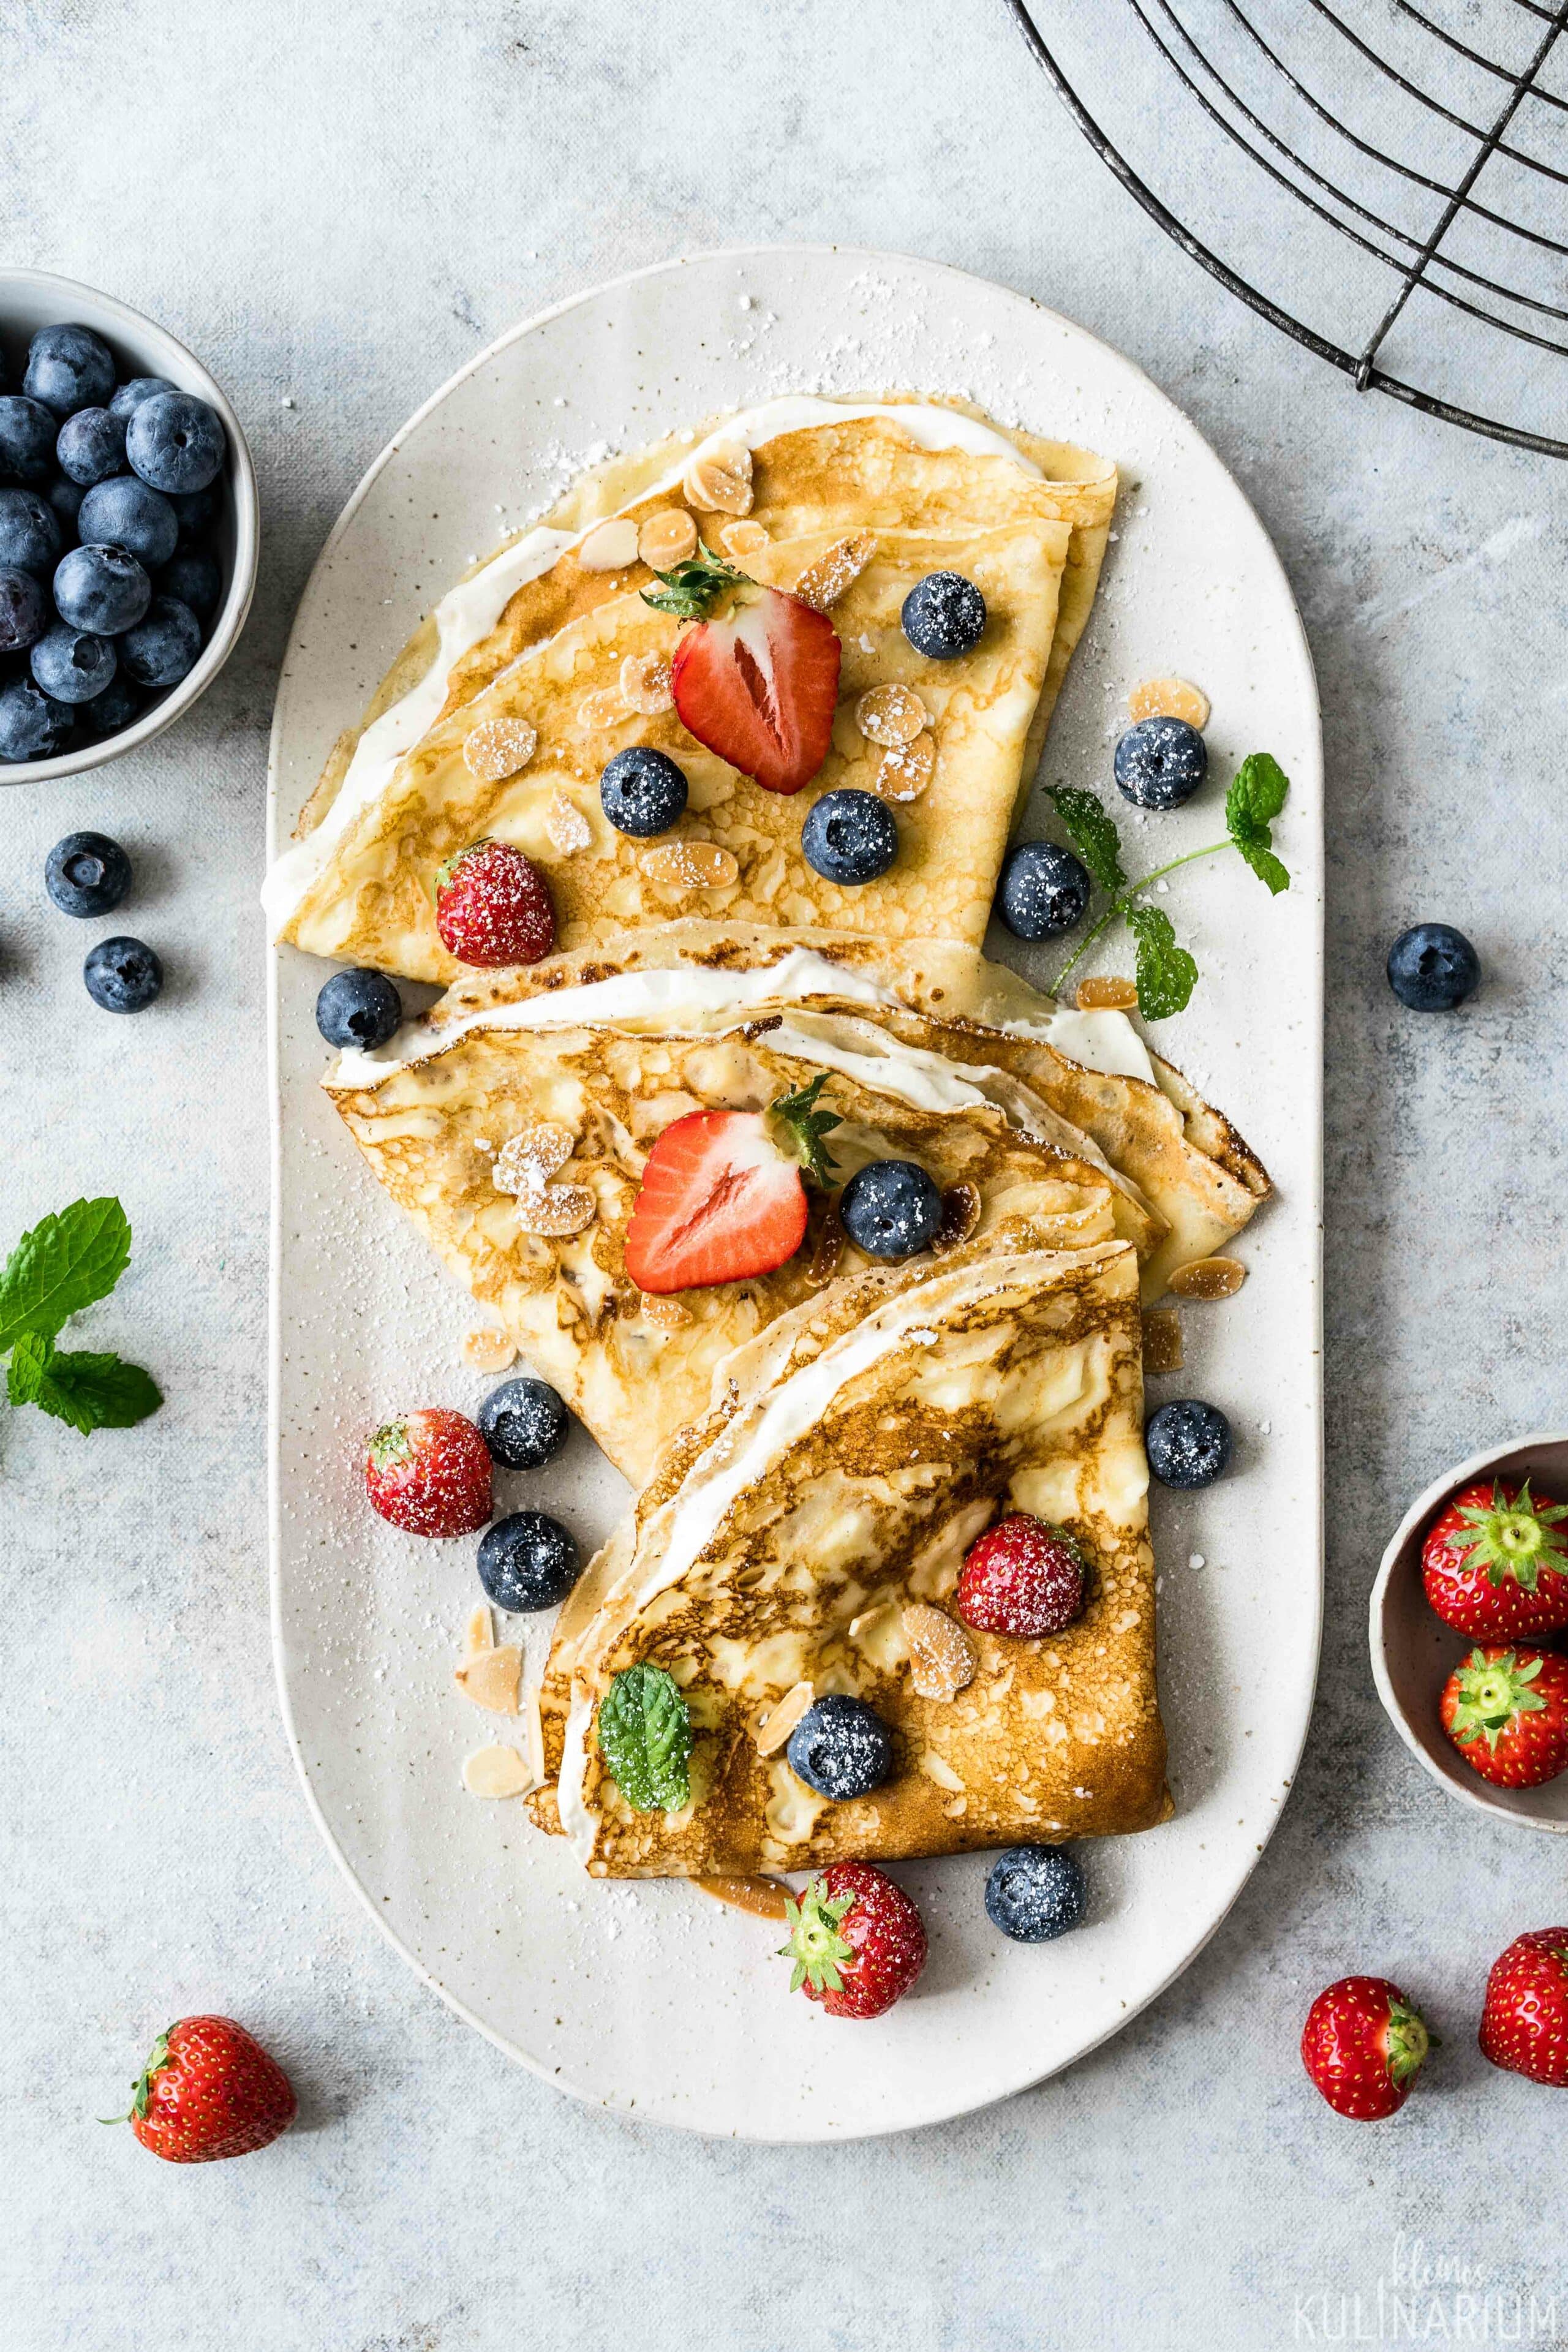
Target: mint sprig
x,y
645,1739
63,1265
1166,974
1091,833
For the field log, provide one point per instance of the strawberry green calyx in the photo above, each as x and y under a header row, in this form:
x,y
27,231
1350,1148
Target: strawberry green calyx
x,y
142,2092
1405,2042
814,1944
446,872
1513,1539
390,1445
805,1127
1492,1693
692,589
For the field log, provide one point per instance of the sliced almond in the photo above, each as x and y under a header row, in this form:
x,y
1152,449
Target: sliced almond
x,y
890,715
827,1249
719,481
835,569
1162,1340
480,1634
1110,994
490,1678
486,1350
765,1899
610,546
664,1314
1209,1277
497,1772
691,865
534,1732
667,538
567,827
600,709
498,748
526,1162
904,771
645,684
557,1211
942,1655
743,538
1169,697
960,1215
775,1727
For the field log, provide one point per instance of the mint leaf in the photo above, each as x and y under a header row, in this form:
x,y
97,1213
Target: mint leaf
x,y
1091,832
90,1391
1257,794
645,1739
63,1265
25,1372
1166,974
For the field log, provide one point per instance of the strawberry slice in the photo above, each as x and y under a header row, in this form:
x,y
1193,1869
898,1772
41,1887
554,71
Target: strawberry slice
x,y
721,1196
757,680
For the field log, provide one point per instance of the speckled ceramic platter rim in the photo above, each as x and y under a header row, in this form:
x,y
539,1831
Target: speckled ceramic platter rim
x,y
648,1999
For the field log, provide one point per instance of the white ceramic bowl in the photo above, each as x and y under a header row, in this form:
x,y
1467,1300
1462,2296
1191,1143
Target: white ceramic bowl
x,y
1414,1652
31,298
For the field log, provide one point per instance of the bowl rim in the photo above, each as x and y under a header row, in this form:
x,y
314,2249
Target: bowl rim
x,y
139,333
1481,1798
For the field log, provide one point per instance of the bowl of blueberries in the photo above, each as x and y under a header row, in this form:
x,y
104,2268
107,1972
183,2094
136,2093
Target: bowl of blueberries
x,y
128,528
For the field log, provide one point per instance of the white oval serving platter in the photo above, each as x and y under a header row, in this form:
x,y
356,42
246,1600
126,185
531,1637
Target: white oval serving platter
x,y
648,1998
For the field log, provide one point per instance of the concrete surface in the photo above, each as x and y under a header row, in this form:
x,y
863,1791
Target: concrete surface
x,y
335,207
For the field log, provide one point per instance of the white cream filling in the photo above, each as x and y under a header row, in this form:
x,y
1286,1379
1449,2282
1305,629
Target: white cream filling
x,y
471,611
1101,1039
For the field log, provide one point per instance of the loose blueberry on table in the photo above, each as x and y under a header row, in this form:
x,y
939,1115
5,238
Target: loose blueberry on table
x,y
358,1008
1036,1892
1044,890
123,975
529,1561
1432,967
86,874
525,1424
1188,1443
1160,763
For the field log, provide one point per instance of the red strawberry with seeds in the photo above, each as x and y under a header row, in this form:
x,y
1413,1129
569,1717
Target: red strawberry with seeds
x,y
493,907
1493,1563
1524,2020
721,1197
209,2091
1364,2045
1022,1576
856,1940
756,679
429,1474
1506,1711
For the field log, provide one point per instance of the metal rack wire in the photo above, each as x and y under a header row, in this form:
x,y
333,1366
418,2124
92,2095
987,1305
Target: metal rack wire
x,y
1374,177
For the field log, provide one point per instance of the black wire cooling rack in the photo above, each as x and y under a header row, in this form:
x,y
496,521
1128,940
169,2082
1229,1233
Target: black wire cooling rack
x,y
1385,181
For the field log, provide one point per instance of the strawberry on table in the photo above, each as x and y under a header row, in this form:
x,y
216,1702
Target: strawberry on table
x,y
1493,1563
493,907
721,1196
856,1940
1506,1711
430,1472
756,678
209,2091
1022,1576
1363,2045
1524,2020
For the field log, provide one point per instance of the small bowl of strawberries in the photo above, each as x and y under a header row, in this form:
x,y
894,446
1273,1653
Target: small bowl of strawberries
x,y
1469,1630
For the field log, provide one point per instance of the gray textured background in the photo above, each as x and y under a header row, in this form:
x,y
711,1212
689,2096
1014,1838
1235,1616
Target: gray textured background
x,y
339,206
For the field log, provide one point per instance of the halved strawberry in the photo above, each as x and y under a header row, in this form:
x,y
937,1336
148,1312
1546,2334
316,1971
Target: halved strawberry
x,y
758,683
721,1196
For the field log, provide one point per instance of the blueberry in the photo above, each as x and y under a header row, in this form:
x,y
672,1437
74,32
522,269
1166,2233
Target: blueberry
x,y
529,1561
642,791
1034,1893
86,874
1187,1443
194,579
123,975
101,588
91,445
162,649
27,431
524,1423
1161,762
944,615
849,837
358,1008
33,725
30,534
841,1748
195,512
24,610
890,1208
69,368
72,664
125,513
1043,890
128,399
115,708
1432,967
174,442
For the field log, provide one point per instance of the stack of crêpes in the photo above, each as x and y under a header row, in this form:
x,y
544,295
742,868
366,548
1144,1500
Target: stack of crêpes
x,y
814,1448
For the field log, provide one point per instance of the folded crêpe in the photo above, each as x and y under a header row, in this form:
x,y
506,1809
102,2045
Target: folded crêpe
x,y
568,649
518,1151
856,1451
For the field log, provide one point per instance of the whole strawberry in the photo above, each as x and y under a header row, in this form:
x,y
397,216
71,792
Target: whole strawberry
x,y
429,1474
856,1940
1493,1564
1524,2020
1022,1576
493,907
1506,1711
209,2091
1364,2045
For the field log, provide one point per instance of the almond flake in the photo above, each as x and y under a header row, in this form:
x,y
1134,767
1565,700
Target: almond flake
x,y
835,571
526,1162
829,1249
890,715
743,538
667,538
720,481
960,1215
604,708
1209,1277
645,684
904,771
942,1655
491,1678
609,546
765,1899
557,1211
479,1632
691,865
1110,994
497,1772
1169,697
486,1350
775,1727
566,825
1162,1340
498,748
664,1314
